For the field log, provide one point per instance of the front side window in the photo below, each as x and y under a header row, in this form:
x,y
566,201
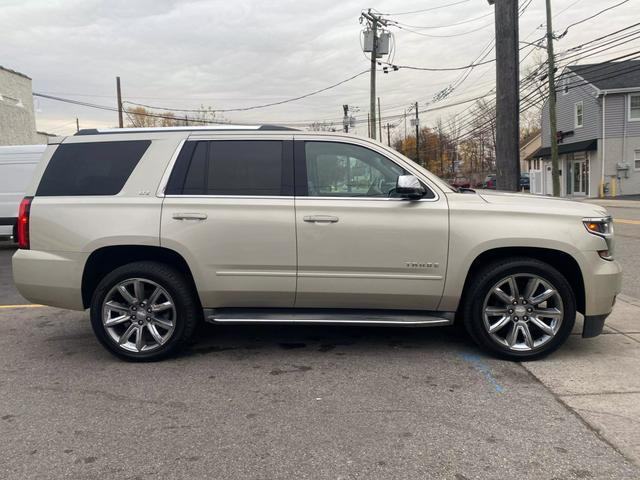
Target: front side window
x,y
579,114
343,170
634,107
232,168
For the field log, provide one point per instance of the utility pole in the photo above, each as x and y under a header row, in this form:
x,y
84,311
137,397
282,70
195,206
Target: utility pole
x,y
405,123
374,20
553,127
77,125
345,120
507,94
186,121
369,125
120,124
379,121
417,135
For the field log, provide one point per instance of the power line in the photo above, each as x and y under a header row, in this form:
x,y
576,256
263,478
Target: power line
x,y
592,16
427,9
445,26
254,107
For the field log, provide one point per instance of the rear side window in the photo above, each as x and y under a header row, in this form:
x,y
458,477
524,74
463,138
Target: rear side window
x,y
96,168
234,167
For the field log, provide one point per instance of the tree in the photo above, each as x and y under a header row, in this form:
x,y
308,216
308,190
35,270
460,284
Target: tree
x,y
140,117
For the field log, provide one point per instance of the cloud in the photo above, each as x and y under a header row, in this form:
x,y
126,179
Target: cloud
x,y
227,54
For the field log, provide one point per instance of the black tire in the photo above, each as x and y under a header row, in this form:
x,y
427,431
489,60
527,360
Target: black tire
x,y
188,311
481,283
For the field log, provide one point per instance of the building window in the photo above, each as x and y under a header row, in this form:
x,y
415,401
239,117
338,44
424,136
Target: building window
x,y
634,107
636,160
579,114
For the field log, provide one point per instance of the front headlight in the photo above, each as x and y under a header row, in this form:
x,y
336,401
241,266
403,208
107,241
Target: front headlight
x,y
603,227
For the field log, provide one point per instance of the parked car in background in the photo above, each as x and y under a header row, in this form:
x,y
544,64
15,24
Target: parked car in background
x,y
489,182
461,182
17,164
154,230
525,181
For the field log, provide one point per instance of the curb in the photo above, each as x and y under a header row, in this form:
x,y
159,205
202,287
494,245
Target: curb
x,y
630,300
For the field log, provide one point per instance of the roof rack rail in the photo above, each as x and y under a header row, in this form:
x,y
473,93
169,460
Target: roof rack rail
x,y
225,127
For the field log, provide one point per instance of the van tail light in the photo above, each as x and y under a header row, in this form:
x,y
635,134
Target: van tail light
x,y
22,226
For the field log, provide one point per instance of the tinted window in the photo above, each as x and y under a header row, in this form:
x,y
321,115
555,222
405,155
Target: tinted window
x,y
195,182
233,167
96,168
343,170
245,168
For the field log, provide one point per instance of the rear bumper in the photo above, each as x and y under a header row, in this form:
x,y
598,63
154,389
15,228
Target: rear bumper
x,y
50,278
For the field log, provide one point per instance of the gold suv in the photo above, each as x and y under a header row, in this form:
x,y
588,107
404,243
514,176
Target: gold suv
x,y
154,230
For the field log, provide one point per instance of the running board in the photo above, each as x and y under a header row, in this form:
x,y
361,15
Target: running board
x,y
307,316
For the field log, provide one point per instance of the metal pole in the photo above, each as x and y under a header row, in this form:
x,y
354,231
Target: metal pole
x,y
507,95
553,128
120,123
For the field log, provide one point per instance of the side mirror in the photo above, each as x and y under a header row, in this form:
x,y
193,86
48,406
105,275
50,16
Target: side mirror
x,y
409,186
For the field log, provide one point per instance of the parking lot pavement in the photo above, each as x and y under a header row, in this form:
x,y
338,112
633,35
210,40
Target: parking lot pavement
x,y
284,402
313,402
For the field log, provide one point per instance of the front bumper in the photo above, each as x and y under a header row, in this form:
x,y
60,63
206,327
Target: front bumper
x,y
602,283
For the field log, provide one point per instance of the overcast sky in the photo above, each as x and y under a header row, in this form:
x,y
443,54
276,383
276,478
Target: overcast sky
x,y
235,53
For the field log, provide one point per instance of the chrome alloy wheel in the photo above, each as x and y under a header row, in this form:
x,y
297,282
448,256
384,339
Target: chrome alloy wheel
x,y
522,312
139,315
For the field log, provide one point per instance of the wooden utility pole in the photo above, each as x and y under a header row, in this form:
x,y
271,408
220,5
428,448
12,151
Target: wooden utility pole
x,y
120,123
507,95
369,125
345,120
405,123
417,136
553,127
388,134
77,125
373,19
379,121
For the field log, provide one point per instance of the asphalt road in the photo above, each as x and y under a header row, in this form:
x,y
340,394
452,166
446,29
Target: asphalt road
x,y
280,403
627,248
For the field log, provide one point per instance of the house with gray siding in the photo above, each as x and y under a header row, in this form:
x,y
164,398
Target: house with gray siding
x,y
598,125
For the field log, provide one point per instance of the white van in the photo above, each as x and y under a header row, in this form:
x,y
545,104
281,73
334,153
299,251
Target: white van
x,y
17,163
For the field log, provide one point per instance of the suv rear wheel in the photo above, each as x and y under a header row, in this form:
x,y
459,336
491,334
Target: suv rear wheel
x,y
520,309
144,311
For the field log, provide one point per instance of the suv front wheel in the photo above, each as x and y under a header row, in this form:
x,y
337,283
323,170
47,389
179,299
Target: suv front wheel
x,y
520,308
144,311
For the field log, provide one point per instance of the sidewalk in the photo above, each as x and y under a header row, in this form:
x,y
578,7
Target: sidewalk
x,y
629,201
599,379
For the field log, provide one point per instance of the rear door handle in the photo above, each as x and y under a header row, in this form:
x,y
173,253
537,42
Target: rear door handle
x,y
320,219
189,216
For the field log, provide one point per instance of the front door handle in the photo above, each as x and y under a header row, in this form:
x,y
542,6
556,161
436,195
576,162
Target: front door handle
x,y
189,216
320,219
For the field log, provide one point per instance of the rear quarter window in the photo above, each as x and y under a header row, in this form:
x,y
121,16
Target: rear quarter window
x,y
96,168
